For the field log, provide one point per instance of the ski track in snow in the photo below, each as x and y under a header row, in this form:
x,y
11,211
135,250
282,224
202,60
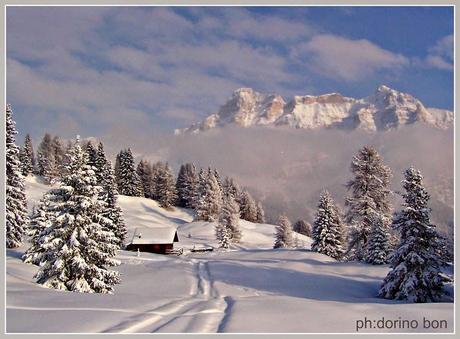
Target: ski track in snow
x,y
202,312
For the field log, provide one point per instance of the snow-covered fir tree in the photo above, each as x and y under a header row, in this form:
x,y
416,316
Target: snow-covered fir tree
x,y
181,185
248,207
229,186
156,170
200,188
101,162
416,264
27,157
209,198
283,236
378,249
328,228
260,213
59,154
369,199
91,153
45,148
65,160
127,180
218,179
16,207
109,194
222,235
230,218
166,187
302,227
51,169
187,185
78,245
42,218
144,172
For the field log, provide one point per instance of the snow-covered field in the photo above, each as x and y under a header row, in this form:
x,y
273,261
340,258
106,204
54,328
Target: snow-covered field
x,y
250,288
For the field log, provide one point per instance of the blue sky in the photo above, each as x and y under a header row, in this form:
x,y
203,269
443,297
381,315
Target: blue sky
x,y
99,71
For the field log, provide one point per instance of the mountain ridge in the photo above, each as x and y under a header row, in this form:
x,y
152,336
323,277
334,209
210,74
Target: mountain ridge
x,y
385,109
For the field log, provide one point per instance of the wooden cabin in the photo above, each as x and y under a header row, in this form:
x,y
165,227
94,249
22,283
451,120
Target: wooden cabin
x,y
154,240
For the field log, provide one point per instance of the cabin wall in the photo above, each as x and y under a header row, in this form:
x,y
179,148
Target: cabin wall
x,y
151,248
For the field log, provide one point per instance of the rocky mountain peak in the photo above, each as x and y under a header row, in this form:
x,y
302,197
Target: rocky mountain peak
x,y
385,109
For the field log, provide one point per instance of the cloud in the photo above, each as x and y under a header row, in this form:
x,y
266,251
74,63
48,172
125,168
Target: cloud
x,y
438,62
441,55
244,24
444,47
163,67
103,61
346,59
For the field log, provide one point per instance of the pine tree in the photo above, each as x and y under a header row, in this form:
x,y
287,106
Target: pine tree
x,y
181,187
156,170
42,218
369,199
144,172
248,207
127,180
16,207
50,170
44,148
229,219
378,249
283,236
58,154
166,187
260,218
91,153
197,199
106,179
416,264
50,158
101,163
78,246
27,157
65,160
302,227
229,186
209,199
218,179
222,236
187,185
328,228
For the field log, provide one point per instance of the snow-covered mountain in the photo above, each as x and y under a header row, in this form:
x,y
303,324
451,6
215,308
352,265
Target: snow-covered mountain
x,y
385,109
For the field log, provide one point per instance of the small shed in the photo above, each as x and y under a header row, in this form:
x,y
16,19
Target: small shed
x,y
154,240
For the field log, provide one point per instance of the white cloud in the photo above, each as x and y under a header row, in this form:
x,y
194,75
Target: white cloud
x,y
136,62
350,60
441,55
444,47
439,62
243,24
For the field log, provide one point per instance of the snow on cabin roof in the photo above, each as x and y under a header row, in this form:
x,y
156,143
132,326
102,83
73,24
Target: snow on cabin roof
x,y
157,235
